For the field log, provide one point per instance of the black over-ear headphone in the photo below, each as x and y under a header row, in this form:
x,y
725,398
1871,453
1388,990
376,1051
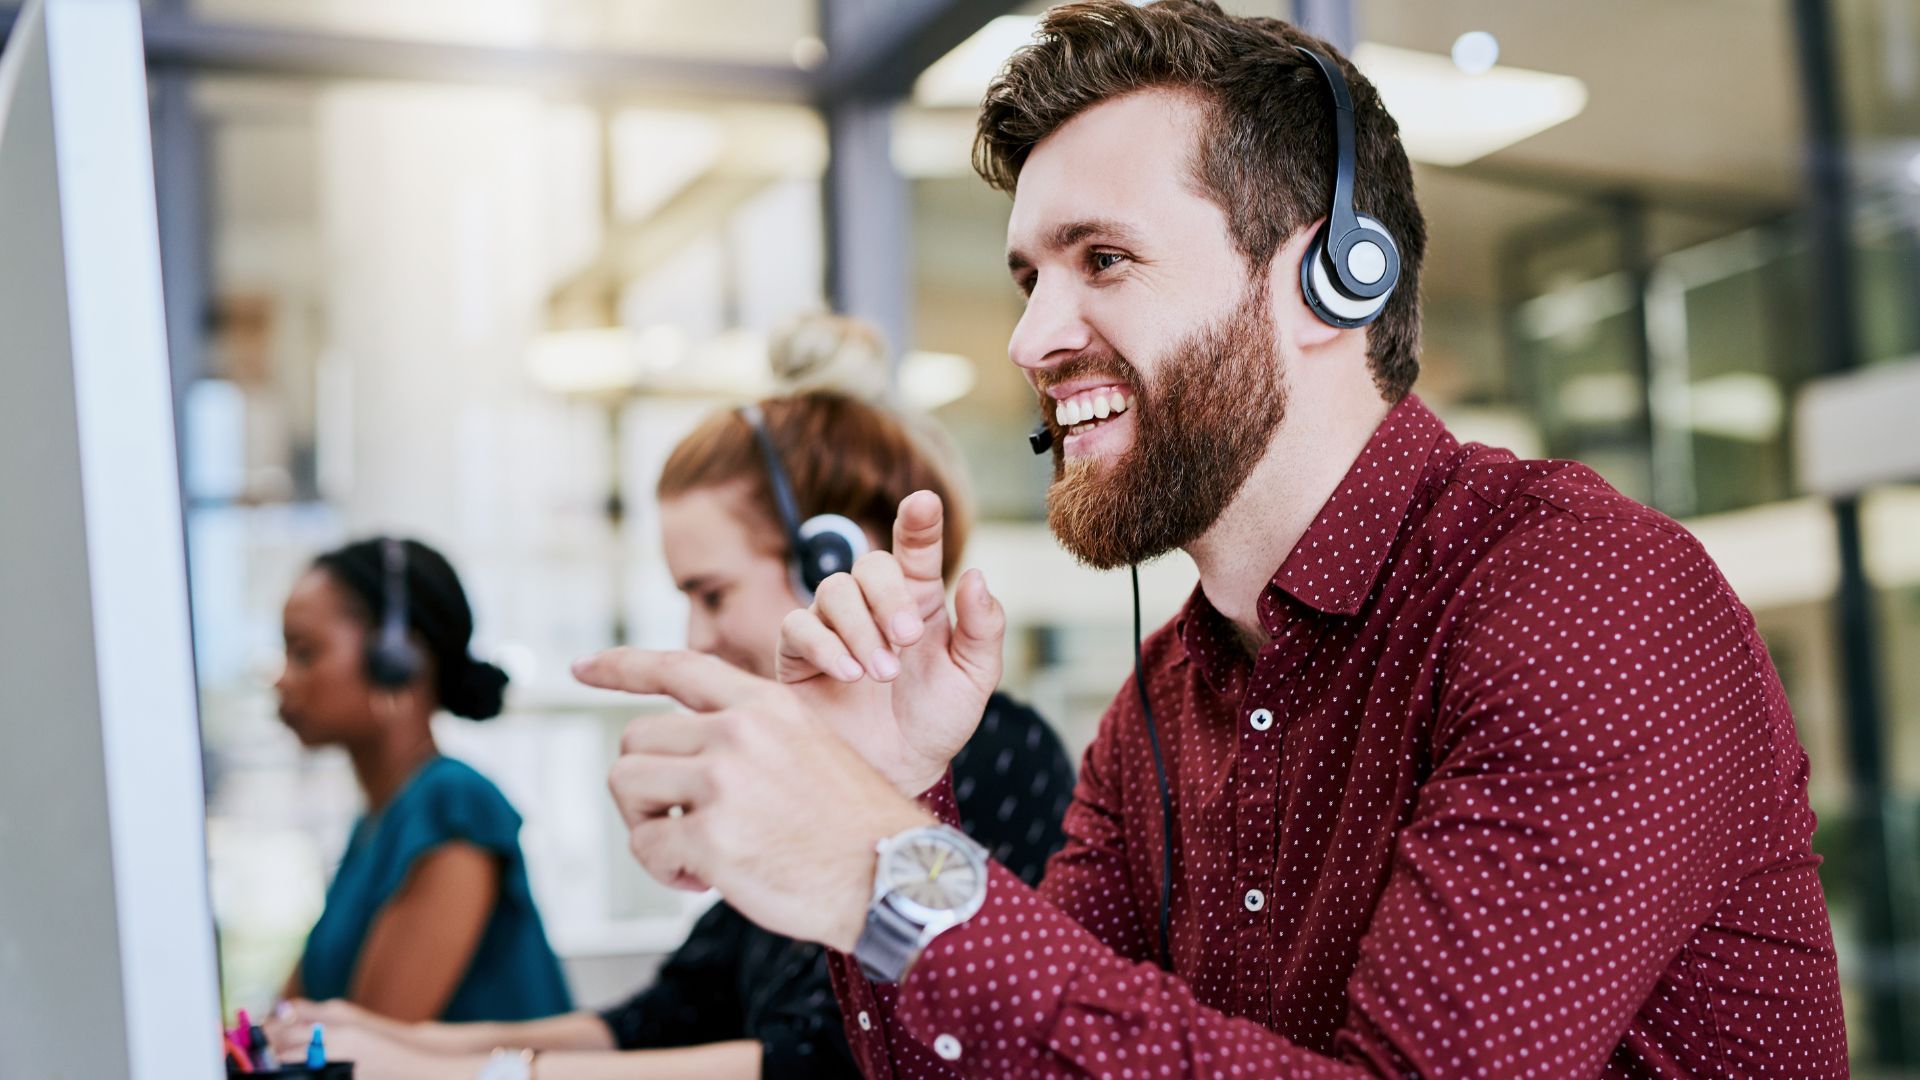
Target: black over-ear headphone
x,y
1352,265
822,545
392,660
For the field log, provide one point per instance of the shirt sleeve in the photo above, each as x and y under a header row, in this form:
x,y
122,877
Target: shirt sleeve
x,y
449,803
1549,873
694,999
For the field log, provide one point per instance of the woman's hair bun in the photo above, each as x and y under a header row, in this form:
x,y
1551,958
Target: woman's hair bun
x,y
476,690
834,353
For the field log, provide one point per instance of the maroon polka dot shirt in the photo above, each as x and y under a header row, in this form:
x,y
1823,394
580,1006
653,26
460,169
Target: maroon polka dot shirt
x,y
1513,791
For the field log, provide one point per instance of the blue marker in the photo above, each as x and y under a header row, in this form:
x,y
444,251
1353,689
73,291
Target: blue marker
x,y
317,1049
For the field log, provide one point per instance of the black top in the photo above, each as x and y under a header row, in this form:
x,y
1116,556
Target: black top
x,y
733,980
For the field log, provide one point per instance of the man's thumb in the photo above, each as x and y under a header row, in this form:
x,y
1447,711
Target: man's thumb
x,y
979,625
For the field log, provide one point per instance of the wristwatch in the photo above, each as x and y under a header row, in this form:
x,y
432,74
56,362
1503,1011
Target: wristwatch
x,y
508,1065
929,879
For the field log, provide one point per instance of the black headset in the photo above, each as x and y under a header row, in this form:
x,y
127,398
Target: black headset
x,y
822,545
1346,276
392,660
1352,265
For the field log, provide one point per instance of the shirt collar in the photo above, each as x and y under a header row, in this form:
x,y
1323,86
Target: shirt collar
x,y
1333,567
1336,561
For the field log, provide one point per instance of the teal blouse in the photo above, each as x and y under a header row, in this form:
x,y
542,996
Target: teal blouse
x,y
514,974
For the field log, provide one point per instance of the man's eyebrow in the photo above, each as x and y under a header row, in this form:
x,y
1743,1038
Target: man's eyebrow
x,y
1068,233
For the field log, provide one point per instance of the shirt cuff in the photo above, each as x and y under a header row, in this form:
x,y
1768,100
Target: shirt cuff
x,y
997,981
940,801
865,1009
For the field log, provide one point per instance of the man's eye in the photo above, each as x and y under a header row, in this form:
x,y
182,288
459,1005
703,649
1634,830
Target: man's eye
x,y
1105,260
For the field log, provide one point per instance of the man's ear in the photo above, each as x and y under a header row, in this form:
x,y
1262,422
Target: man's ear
x,y
1295,321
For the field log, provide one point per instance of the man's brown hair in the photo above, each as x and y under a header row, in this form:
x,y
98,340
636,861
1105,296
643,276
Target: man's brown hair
x,y
841,456
1266,157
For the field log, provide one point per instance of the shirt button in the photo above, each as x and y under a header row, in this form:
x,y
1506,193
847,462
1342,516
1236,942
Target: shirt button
x,y
1255,900
866,1022
1261,719
947,1047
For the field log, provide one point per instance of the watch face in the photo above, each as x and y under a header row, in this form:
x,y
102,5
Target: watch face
x,y
933,872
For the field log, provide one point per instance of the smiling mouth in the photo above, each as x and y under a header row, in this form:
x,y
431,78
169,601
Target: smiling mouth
x,y
1089,409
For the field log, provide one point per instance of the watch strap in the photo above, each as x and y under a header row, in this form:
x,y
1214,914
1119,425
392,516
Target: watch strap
x,y
888,944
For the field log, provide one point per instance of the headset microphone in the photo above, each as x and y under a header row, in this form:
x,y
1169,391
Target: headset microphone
x,y
1040,438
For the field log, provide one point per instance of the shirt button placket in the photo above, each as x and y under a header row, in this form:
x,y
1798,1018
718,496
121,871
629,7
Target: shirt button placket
x,y
1254,842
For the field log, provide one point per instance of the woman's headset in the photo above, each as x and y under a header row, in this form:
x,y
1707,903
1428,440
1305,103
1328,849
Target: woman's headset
x,y
822,545
392,660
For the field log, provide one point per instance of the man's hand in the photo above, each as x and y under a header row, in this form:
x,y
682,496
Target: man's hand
x,y
877,657
750,794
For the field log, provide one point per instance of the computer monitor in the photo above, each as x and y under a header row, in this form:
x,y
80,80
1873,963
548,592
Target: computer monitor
x,y
106,944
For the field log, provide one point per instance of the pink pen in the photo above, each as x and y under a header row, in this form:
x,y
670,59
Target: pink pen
x,y
241,1028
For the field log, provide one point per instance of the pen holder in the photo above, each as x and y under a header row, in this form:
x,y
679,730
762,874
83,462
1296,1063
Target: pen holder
x,y
332,1070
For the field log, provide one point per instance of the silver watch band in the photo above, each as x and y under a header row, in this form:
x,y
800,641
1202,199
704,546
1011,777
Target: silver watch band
x,y
888,944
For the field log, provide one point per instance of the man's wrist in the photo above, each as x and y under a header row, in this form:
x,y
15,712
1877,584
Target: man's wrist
x,y
916,783
917,788
852,920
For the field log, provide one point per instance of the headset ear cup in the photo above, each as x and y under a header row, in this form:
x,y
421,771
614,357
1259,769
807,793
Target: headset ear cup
x,y
1322,292
392,664
829,544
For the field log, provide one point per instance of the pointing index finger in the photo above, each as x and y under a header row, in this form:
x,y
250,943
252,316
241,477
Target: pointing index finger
x,y
699,682
918,531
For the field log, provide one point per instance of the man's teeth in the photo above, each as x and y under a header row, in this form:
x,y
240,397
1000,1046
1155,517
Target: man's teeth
x,y
1098,405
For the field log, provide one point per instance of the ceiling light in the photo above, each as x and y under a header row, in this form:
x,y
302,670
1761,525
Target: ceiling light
x,y
1475,52
959,79
1448,117
593,361
932,144
929,380
809,53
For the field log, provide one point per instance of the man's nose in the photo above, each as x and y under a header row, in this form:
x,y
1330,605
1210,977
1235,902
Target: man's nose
x,y
1052,329
700,635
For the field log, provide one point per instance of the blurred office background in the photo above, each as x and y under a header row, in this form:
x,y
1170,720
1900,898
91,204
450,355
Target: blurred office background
x,y
466,270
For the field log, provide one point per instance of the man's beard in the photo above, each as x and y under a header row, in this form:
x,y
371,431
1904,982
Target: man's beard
x,y
1198,431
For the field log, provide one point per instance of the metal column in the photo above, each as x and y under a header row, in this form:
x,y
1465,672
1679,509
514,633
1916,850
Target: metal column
x,y
1886,975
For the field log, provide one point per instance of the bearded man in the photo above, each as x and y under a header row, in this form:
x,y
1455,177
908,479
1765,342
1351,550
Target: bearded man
x,y
1453,764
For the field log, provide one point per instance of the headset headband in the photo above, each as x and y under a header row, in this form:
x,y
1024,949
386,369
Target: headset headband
x,y
1341,222
782,491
